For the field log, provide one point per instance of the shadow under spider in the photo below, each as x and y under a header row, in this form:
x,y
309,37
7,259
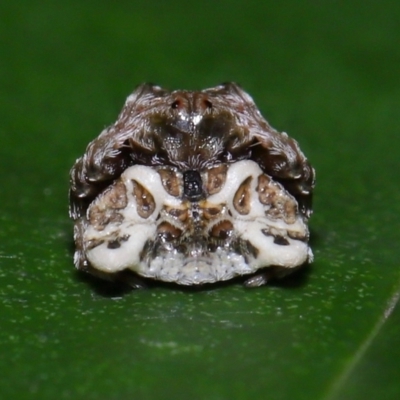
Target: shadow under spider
x,y
121,286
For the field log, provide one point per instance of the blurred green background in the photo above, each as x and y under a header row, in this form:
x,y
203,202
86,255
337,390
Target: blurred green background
x,y
327,73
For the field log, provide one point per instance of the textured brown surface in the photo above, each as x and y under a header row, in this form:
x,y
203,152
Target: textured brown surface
x,y
189,130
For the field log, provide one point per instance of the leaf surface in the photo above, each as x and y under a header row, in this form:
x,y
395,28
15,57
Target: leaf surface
x,y
325,73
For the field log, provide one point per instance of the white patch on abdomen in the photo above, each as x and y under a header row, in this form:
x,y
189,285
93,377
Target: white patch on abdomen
x,y
119,242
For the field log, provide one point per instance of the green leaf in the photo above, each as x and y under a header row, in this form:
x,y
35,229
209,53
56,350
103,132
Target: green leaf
x,y
327,74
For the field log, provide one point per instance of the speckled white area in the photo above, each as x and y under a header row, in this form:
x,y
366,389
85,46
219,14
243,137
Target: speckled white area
x,y
218,266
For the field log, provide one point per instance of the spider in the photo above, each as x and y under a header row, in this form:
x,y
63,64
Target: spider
x,y
191,187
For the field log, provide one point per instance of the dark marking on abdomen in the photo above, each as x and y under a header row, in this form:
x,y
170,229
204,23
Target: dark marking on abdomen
x,y
192,185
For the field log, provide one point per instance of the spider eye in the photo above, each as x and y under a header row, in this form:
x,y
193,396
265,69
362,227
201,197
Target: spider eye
x,y
176,104
208,104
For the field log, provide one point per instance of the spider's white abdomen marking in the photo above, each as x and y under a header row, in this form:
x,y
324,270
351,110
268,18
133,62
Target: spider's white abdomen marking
x,y
167,237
